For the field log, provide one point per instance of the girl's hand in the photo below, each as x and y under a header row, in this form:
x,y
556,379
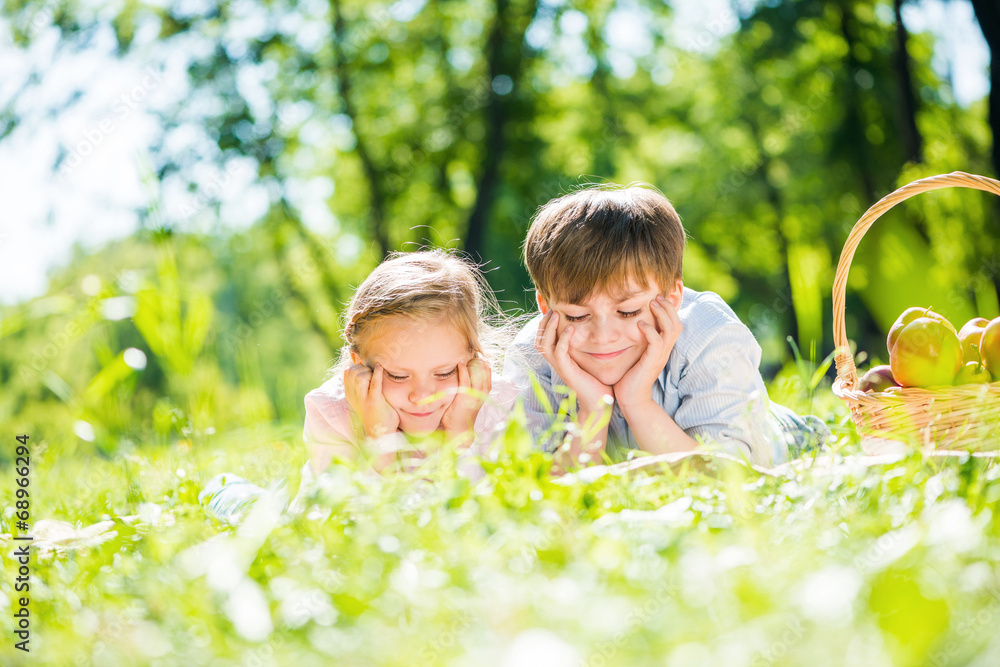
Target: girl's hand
x,y
363,387
475,381
554,347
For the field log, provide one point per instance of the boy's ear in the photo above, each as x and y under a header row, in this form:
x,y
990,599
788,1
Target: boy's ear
x,y
540,300
676,294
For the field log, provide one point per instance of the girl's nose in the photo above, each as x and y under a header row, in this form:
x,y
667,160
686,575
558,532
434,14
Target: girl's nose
x,y
420,392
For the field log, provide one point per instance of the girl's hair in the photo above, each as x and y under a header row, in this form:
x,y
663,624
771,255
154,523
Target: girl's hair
x,y
418,285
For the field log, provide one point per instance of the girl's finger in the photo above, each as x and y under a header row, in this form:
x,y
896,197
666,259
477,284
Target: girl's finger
x,y
375,385
463,375
480,375
356,379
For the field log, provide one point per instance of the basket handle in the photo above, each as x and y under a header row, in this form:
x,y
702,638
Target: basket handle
x,y
847,372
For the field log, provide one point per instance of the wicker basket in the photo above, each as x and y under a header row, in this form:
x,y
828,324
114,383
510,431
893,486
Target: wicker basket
x,y
964,417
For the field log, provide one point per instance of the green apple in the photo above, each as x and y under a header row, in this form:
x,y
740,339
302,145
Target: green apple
x,y
878,378
925,353
970,334
973,372
908,316
989,347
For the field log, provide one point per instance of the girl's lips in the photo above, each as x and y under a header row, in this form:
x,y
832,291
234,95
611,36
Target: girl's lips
x,y
420,415
606,355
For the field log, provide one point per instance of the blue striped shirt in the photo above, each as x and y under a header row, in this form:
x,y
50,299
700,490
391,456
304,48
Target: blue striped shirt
x,y
711,385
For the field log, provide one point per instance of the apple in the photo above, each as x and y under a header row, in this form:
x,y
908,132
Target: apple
x,y
878,378
970,334
908,316
926,353
973,372
989,347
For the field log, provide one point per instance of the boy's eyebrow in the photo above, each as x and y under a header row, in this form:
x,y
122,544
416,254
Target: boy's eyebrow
x,y
619,299
629,295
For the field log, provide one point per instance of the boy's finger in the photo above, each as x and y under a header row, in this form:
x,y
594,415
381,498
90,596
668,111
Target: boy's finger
x,y
661,315
650,333
549,337
542,326
562,347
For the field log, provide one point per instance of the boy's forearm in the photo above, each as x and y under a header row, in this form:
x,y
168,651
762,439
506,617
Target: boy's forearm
x,y
587,441
655,431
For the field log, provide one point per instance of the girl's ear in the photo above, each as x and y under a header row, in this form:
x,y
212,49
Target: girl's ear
x,y
540,300
676,294
355,359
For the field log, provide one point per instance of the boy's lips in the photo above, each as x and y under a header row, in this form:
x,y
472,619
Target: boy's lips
x,y
606,355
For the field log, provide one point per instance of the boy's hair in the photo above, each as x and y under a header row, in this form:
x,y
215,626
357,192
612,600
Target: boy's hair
x,y
419,285
596,239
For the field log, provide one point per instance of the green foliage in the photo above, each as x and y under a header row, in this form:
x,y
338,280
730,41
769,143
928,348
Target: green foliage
x,y
449,123
443,123
836,559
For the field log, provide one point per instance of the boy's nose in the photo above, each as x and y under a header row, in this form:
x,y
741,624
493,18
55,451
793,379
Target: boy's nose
x,y
603,333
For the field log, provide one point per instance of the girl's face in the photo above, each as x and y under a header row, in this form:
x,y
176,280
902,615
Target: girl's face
x,y
419,359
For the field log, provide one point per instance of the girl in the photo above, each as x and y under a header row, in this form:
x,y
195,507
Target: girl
x,y
417,362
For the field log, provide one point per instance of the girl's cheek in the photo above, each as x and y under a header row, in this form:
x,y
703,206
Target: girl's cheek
x,y
391,392
449,387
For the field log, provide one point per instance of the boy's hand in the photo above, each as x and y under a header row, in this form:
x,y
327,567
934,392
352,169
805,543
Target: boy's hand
x,y
635,387
475,381
363,387
554,347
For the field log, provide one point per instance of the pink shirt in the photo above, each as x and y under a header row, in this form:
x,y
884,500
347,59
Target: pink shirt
x,y
329,421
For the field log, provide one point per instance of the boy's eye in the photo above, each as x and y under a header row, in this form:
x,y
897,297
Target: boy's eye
x,y
575,318
631,313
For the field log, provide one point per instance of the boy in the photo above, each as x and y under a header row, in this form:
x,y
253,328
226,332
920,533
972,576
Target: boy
x,y
654,365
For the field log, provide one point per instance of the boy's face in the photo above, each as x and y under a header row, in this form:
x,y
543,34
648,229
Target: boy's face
x,y
608,341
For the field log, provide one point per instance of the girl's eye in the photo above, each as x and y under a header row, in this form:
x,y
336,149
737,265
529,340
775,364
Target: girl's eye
x,y
444,376
395,378
576,318
631,313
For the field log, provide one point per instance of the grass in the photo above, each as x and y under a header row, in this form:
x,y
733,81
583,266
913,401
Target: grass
x,y
833,561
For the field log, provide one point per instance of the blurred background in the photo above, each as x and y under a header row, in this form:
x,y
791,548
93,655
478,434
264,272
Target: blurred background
x,y
191,190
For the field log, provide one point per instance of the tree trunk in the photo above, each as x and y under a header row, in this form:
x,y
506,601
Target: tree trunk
x,y
373,174
988,15
853,118
912,141
504,57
